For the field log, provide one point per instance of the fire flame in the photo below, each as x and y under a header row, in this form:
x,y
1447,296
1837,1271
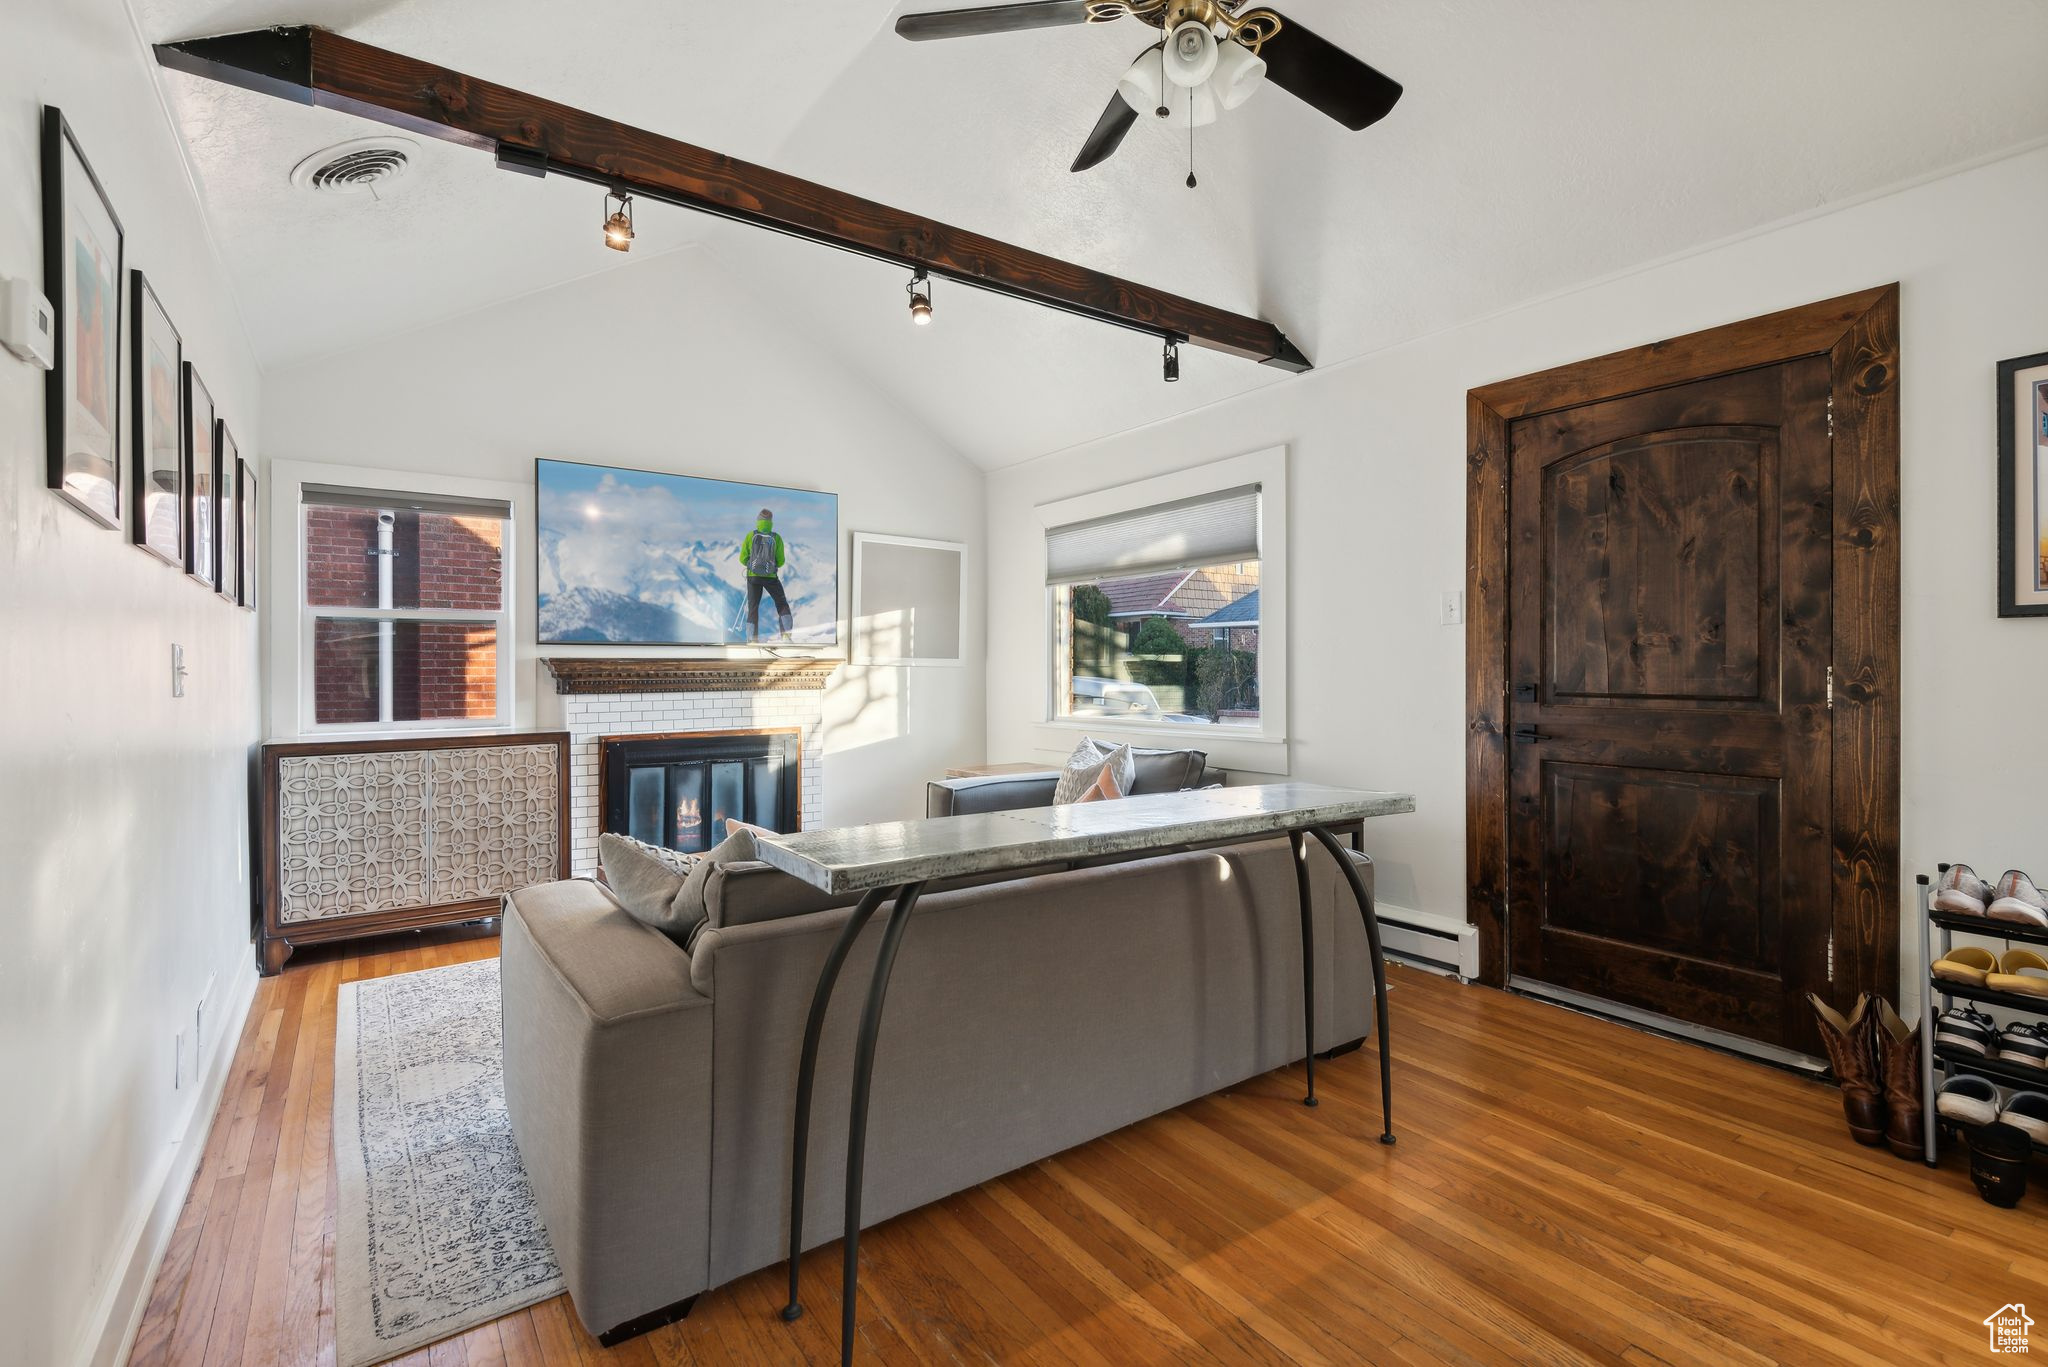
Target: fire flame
x,y
689,816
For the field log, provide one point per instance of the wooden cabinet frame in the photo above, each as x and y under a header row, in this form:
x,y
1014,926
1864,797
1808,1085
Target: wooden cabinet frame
x,y
276,939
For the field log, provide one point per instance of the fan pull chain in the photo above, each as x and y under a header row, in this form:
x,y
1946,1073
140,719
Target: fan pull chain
x,y
1191,138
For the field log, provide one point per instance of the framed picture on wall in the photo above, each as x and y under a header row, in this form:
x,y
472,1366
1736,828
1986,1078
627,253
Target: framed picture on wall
x,y
245,499
83,275
199,489
157,519
2023,486
227,520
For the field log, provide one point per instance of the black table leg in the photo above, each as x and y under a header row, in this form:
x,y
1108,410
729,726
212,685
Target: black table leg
x,y
1299,851
799,1157
1379,974
857,1115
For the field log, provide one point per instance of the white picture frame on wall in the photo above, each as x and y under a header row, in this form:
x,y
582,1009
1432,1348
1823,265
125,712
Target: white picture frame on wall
x,y
909,597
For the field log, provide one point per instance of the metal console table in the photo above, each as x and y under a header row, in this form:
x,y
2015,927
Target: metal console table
x,y
900,857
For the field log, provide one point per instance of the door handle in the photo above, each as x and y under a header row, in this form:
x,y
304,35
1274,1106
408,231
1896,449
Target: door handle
x,y
1527,735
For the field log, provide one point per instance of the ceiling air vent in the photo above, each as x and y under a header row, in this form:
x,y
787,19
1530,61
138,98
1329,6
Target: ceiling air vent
x,y
364,164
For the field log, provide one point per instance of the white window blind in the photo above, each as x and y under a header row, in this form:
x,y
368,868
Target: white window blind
x,y
377,500
1208,529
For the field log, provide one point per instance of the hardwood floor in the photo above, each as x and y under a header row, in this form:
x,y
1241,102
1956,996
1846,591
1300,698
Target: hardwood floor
x,y
1564,1190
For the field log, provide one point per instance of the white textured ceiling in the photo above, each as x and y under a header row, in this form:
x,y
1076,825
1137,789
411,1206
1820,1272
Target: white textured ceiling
x,y
1538,146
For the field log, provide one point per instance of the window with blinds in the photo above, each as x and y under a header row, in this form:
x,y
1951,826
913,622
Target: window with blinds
x,y
404,609
1156,612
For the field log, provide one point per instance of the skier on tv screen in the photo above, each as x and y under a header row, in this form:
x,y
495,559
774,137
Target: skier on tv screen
x,y
763,554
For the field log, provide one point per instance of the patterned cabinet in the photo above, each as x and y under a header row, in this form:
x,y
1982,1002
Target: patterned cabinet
x,y
364,837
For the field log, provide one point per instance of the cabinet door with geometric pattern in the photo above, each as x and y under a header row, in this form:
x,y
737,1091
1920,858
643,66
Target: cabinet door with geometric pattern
x,y
352,834
492,820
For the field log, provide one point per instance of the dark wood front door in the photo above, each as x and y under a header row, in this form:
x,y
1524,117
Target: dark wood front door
x,y
1668,649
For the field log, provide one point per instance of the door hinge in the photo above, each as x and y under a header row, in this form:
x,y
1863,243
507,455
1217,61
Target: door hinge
x,y
1831,415
1831,688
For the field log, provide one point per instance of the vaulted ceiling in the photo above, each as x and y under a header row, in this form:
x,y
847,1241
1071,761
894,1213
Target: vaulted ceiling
x,y
1538,147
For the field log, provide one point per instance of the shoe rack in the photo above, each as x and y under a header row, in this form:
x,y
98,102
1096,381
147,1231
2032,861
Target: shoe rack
x,y
1937,936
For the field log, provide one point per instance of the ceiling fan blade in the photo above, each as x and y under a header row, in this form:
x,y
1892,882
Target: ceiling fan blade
x,y
1324,76
969,23
1117,118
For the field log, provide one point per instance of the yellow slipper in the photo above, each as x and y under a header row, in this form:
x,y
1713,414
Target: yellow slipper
x,y
2021,970
1966,964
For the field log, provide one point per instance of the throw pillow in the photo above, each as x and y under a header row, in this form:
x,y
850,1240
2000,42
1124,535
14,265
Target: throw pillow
x,y
1105,787
692,909
1083,770
646,879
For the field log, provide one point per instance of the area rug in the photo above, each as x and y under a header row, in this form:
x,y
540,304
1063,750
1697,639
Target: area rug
x,y
437,1230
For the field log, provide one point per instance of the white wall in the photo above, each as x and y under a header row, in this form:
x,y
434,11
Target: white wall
x,y
667,365
1379,518
123,812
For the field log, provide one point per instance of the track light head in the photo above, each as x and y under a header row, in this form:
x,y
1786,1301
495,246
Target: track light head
x,y
618,223
1172,360
920,299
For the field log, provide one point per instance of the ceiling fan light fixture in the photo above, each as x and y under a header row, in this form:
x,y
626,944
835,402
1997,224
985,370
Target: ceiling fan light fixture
x,y
1191,54
1143,86
1239,74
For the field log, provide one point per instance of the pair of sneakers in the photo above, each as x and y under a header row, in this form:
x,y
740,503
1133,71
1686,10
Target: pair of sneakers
x,y
2013,898
1975,1100
1968,1030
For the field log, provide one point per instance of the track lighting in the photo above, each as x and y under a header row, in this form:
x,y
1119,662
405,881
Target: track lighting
x,y
920,299
618,223
1172,360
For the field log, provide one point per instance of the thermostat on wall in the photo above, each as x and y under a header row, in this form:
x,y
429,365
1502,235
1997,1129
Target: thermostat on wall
x,y
28,325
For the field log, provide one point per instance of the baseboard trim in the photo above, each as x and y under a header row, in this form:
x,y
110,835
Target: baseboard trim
x,y
118,1317
1666,1025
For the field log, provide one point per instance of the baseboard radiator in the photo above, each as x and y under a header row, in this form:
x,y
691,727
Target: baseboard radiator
x,y
1427,941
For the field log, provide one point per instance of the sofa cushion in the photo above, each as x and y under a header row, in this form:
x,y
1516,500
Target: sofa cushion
x,y
648,882
693,902
1167,771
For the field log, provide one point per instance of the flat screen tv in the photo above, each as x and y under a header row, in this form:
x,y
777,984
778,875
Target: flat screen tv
x,y
636,557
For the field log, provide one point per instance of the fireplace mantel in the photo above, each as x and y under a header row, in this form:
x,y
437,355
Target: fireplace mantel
x,y
583,674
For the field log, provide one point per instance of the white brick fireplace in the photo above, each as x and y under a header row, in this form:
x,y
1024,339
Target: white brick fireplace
x,y
674,697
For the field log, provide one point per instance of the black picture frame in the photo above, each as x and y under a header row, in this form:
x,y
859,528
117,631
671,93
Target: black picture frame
x,y
245,500
2020,485
156,514
227,564
85,389
201,443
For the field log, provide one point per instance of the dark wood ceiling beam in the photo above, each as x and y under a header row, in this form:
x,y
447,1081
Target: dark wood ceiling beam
x,y
312,66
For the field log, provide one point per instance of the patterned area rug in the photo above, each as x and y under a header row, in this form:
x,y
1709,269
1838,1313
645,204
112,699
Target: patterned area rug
x,y
437,1231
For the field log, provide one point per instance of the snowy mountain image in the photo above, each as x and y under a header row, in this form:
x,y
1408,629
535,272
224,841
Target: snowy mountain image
x,y
633,557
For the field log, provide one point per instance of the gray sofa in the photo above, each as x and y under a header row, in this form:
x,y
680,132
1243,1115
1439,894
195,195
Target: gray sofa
x,y
651,1088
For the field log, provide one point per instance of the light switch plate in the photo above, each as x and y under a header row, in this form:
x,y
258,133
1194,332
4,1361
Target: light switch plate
x,y
1453,610
177,670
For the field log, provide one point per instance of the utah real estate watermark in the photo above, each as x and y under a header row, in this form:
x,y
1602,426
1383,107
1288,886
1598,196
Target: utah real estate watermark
x,y
2007,1327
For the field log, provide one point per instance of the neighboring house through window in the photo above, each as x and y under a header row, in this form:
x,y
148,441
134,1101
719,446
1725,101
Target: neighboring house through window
x,y
404,619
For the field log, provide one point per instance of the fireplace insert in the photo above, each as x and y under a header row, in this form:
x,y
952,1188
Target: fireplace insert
x,y
678,791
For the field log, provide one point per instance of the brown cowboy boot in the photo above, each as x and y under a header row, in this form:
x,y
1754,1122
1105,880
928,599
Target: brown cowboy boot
x,y
1852,1049
1898,1057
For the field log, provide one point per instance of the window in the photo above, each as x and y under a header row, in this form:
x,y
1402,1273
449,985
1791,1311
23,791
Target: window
x,y
1156,613
404,609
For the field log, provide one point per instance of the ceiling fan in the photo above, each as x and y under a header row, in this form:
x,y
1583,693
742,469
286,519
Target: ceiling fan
x,y
1217,51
